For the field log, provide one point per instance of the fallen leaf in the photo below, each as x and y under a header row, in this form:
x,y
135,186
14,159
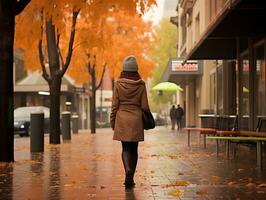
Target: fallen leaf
x,y
204,180
91,195
202,192
263,185
251,185
181,183
216,178
232,183
176,192
172,156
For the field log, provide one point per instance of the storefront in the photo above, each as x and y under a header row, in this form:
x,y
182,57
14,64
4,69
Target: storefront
x,y
236,40
34,91
188,76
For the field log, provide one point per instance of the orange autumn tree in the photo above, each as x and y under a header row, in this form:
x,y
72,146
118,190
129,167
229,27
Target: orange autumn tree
x,y
104,44
49,24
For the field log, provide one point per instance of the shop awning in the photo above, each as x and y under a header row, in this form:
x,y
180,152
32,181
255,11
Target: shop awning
x,y
182,73
239,19
34,82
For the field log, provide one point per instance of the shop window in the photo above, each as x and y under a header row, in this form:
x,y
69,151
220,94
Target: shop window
x,y
260,86
213,91
219,90
244,119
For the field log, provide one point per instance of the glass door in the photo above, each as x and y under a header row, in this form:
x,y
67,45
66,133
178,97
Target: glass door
x,y
260,86
244,118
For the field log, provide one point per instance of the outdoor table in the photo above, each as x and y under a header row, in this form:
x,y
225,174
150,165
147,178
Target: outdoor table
x,y
203,131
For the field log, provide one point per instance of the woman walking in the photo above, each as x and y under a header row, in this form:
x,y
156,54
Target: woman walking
x,y
129,99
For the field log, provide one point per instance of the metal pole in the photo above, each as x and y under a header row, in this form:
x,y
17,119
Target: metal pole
x,y
74,124
204,137
37,132
259,155
217,147
66,125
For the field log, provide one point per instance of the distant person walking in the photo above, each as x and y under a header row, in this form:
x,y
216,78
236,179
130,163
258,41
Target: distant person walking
x,y
179,116
173,116
129,99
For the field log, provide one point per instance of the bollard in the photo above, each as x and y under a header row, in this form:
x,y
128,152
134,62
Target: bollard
x,y
66,125
75,124
37,132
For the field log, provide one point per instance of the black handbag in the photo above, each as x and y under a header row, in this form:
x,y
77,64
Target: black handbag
x,y
148,120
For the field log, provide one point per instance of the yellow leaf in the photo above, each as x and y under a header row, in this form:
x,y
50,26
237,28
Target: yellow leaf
x,y
176,192
67,185
202,192
181,183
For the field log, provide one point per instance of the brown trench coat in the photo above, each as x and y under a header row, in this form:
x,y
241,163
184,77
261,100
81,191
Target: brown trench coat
x,y
129,99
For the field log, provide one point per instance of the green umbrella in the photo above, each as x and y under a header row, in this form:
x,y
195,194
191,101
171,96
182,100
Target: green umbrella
x,y
167,86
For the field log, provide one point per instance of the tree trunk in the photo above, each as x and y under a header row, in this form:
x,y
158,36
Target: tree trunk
x,y
93,102
7,24
55,83
55,90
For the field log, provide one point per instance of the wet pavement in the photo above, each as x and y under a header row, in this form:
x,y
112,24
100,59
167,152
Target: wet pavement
x,y
90,167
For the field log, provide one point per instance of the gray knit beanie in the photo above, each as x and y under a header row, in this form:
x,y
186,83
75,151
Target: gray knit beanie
x,y
130,64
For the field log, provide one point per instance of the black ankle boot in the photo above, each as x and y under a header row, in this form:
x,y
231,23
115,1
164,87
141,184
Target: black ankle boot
x,y
129,181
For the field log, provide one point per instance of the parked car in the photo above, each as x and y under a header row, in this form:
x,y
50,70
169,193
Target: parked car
x,y
22,119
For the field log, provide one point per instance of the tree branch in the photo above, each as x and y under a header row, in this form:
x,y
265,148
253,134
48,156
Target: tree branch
x,y
89,68
61,57
101,80
57,41
71,42
44,72
19,6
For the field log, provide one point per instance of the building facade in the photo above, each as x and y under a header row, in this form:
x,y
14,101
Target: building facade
x,y
228,36
30,89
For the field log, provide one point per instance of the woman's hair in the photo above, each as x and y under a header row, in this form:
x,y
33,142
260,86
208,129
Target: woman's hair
x,y
130,75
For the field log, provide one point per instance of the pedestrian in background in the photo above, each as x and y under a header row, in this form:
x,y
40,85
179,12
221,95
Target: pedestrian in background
x,y
129,99
179,116
173,116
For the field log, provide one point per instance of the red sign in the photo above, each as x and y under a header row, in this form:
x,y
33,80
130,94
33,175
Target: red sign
x,y
190,66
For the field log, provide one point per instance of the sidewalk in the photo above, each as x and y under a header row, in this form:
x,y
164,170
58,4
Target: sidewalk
x,y
90,167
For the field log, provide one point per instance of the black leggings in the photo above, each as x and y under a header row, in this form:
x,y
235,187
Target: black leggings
x,y
130,156
131,147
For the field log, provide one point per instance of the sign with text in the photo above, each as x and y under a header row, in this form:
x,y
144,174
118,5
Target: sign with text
x,y
79,89
189,66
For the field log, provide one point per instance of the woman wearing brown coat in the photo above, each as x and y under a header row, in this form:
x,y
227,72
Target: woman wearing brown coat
x,y
129,99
